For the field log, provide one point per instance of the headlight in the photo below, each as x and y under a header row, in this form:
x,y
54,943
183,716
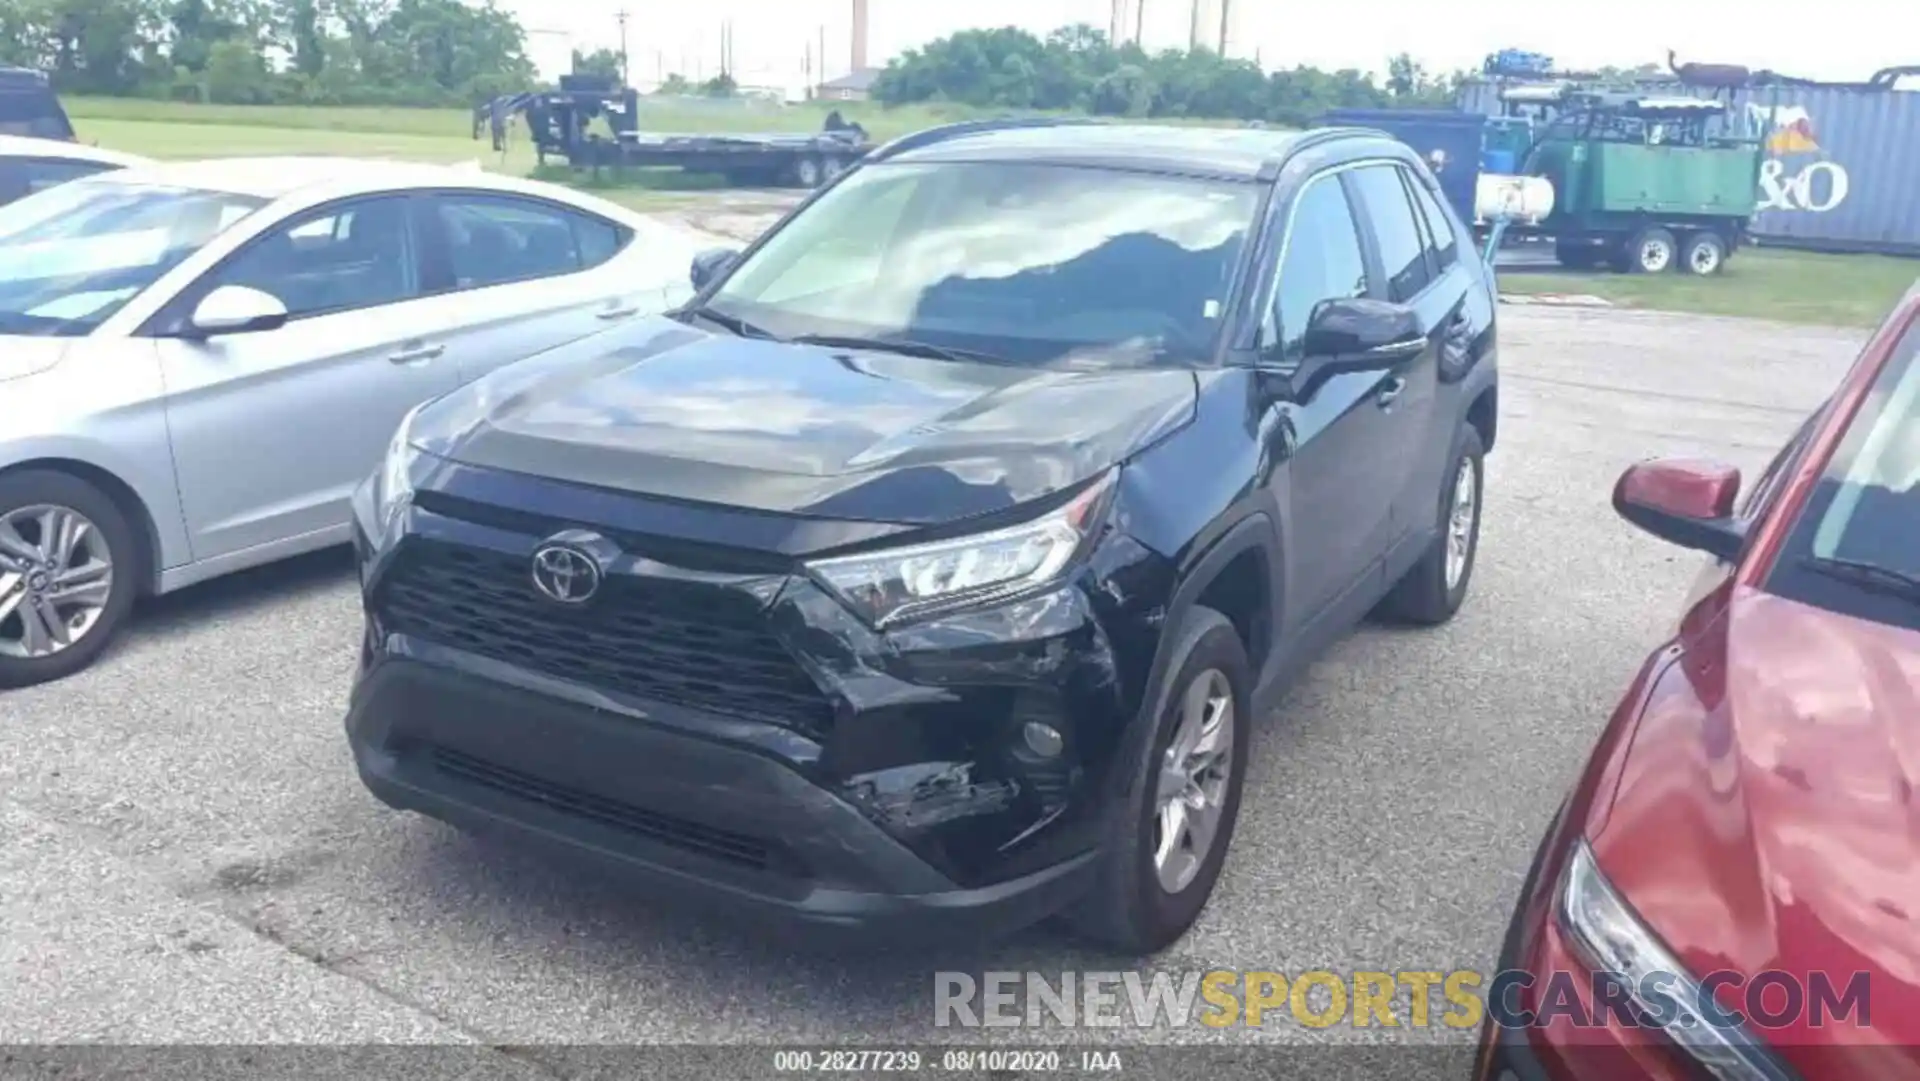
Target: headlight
x,y
1613,940
900,584
395,487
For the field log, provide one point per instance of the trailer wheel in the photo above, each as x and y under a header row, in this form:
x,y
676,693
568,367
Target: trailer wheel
x,y
1651,251
1703,253
807,172
832,169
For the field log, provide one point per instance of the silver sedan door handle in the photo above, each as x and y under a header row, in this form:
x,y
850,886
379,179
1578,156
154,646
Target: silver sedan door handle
x,y
619,313
417,356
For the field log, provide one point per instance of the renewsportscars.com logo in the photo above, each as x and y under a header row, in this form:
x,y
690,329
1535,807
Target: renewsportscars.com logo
x,y
1454,999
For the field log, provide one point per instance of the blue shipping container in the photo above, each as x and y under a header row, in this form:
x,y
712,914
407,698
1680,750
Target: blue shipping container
x,y
1840,167
1448,139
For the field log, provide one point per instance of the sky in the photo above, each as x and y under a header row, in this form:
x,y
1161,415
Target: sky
x,y
772,39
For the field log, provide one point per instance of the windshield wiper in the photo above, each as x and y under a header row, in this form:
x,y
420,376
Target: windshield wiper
x,y
732,323
1867,575
905,346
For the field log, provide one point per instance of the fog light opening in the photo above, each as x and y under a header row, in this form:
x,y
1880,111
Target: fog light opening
x,y
1043,740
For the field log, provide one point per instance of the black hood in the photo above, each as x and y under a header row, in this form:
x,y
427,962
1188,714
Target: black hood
x,y
660,408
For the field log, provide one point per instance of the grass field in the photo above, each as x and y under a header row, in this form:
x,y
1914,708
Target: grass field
x,y
164,129
1769,284
1759,283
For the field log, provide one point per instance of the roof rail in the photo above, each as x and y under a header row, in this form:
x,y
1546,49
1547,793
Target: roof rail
x,y
941,134
1270,169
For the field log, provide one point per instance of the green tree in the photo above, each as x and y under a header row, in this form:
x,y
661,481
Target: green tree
x,y
1077,68
604,62
236,74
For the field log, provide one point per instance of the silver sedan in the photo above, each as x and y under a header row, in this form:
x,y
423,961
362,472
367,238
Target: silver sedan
x,y
198,361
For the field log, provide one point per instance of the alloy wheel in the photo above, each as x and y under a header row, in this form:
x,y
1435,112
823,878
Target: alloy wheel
x,y
1461,515
56,577
1192,790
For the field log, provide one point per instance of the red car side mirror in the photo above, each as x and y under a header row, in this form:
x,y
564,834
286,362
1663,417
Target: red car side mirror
x,y
1687,501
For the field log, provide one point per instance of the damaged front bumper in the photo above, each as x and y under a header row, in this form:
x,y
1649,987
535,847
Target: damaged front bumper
x,y
950,775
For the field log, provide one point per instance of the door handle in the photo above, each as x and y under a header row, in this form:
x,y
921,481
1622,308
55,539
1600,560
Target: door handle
x,y
618,313
1390,391
417,356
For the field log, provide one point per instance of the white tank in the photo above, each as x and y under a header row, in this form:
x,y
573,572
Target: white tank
x,y
1523,199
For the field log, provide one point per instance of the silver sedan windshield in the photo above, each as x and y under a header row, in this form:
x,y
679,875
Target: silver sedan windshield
x,y
72,255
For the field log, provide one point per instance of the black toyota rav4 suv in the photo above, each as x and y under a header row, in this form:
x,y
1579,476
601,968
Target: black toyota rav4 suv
x,y
930,568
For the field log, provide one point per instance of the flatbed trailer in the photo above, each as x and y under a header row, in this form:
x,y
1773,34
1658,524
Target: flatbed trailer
x,y
805,161
559,120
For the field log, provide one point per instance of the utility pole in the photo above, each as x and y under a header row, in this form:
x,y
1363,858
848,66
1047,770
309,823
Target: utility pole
x,y
626,78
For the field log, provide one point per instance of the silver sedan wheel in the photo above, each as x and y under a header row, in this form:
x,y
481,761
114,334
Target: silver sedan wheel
x,y
56,576
1460,521
1192,791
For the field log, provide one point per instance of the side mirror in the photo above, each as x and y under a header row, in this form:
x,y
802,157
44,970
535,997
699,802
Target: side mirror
x,y
710,264
1683,500
1361,328
236,309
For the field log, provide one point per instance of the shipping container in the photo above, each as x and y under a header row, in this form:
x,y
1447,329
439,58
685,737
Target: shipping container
x,y
1840,169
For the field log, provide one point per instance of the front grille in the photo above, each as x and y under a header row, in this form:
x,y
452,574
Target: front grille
x,y
725,845
695,646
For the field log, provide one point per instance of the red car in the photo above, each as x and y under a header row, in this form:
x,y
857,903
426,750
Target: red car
x,y
1732,889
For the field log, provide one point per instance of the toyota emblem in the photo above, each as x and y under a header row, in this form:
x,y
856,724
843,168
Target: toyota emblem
x,y
565,574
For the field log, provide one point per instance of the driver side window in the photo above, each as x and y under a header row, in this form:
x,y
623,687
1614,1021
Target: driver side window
x,y
1321,260
340,258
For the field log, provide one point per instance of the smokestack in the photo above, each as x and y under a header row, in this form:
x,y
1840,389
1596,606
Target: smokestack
x,y
859,35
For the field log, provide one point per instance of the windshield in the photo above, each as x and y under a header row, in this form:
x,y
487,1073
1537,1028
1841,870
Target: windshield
x,y
72,255
1028,263
1865,510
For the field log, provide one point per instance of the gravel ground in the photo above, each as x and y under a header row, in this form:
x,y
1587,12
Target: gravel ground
x,y
187,857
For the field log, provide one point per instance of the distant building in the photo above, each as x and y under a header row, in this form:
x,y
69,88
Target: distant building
x,y
854,86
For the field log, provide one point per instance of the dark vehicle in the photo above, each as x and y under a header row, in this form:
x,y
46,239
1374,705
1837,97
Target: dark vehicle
x,y
1722,894
928,569
28,106
560,121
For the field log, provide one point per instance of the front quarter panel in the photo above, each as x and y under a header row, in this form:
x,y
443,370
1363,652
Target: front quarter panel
x,y
104,407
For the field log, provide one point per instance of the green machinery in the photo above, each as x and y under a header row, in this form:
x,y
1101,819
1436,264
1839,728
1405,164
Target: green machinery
x,y
1639,183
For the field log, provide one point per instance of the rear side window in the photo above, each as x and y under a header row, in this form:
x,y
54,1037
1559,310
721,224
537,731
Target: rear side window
x,y
1446,243
495,239
33,110
1403,250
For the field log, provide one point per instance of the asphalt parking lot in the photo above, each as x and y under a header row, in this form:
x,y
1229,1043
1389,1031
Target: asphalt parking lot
x,y
186,855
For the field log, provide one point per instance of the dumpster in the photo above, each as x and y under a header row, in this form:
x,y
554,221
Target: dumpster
x,y
1449,140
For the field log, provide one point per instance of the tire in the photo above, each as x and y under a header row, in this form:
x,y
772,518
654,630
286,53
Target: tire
x,y
1130,910
28,653
1703,253
807,172
1651,251
1434,589
1576,256
832,168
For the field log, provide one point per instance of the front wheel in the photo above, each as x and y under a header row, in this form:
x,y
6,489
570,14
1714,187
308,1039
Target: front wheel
x,y
1166,843
1434,589
66,582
